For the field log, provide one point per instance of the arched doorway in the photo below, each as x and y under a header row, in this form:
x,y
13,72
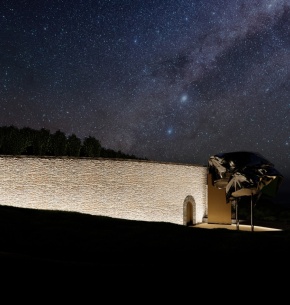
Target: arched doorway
x,y
189,211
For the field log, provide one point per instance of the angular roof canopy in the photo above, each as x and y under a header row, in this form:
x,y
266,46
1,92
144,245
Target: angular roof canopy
x,y
244,173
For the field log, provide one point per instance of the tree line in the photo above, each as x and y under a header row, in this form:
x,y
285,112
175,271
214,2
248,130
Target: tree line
x,y
28,141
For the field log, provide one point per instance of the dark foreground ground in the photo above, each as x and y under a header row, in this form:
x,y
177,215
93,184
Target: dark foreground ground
x,y
55,239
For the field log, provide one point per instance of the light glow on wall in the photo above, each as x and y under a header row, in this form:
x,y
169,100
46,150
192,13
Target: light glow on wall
x,y
127,189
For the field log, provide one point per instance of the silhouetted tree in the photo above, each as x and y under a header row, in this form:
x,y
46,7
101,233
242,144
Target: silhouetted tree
x,y
110,153
73,146
91,147
12,142
28,141
59,142
28,134
2,137
41,142
107,153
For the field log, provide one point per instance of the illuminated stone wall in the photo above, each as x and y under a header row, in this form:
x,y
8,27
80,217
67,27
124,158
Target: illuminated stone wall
x,y
128,189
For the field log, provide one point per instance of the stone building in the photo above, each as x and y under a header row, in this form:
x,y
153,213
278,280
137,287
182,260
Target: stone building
x,y
120,188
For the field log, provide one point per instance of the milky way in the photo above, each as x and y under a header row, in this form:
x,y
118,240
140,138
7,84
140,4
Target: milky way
x,y
174,81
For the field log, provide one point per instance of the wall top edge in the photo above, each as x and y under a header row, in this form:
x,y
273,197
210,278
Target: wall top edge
x,y
100,159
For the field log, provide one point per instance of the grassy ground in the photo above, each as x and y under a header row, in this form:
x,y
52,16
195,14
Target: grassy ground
x,y
67,239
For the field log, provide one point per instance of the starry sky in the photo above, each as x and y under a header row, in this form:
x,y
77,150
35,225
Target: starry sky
x,y
169,80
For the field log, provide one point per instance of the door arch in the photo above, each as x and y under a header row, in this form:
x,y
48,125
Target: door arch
x,y
189,211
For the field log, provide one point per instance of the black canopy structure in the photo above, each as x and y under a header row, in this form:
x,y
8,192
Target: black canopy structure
x,y
244,173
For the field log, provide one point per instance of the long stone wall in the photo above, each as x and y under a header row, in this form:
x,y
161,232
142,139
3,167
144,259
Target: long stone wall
x,y
128,189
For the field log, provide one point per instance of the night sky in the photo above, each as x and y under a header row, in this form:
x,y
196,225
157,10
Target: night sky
x,y
169,80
